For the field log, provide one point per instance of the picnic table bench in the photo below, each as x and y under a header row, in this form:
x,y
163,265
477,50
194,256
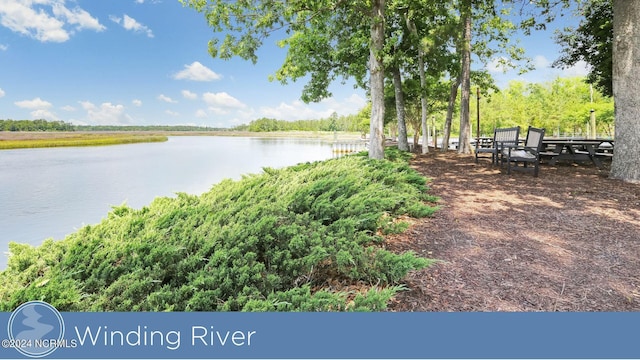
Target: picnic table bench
x,y
577,150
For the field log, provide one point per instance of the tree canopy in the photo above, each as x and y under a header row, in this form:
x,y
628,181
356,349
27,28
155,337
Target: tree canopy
x,y
591,42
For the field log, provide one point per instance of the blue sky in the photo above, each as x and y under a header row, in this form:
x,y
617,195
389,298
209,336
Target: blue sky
x,y
145,62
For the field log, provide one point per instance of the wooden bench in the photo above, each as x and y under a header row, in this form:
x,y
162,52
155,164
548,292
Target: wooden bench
x,y
501,137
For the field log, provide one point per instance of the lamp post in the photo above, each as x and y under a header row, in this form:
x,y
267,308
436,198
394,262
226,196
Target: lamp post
x,y
435,132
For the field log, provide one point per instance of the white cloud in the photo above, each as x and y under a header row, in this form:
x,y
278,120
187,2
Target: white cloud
x,y
20,17
106,114
23,17
498,65
541,62
2,93
284,111
189,95
78,17
4,47
136,102
163,97
218,111
43,114
196,72
298,110
68,108
36,103
87,105
222,100
40,108
581,68
172,113
201,114
349,105
131,24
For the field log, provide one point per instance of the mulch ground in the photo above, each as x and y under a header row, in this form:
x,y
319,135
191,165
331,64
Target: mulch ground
x,y
568,240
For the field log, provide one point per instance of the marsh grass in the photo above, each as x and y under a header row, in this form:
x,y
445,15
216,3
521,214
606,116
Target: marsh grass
x,y
80,139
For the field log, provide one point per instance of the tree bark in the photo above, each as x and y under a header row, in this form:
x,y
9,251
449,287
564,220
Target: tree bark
x,y
423,85
423,103
464,146
403,143
453,95
376,81
626,90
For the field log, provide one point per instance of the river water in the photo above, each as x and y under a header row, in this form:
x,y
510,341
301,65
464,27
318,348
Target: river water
x,y
49,193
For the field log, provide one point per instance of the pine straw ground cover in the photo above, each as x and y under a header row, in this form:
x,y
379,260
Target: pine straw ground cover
x,y
568,240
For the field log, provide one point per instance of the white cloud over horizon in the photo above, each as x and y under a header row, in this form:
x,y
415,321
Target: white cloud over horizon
x,y
541,62
21,16
581,68
543,71
237,112
35,103
40,108
44,114
298,110
106,114
2,93
197,72
222,100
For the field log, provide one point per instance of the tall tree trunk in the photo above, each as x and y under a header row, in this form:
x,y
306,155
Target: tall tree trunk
x,y
453,95
464,146
403,143
626,87
423,85
376,81
423,103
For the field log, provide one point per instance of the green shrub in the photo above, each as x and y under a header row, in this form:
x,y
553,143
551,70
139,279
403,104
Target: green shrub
x,y
276,241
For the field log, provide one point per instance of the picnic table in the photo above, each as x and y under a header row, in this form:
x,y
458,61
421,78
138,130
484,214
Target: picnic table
x,y
576,150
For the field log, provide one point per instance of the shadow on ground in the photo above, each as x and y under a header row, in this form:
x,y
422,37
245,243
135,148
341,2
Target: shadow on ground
x,y
568,240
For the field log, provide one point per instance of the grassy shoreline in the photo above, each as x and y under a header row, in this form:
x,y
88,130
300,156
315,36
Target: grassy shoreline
x,y
25,140
44,140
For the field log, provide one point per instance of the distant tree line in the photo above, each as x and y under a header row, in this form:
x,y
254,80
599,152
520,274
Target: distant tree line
x,y
145,128
35,125
350,123
44,125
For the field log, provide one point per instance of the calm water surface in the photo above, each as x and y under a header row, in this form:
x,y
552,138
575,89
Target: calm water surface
x,y
49,193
